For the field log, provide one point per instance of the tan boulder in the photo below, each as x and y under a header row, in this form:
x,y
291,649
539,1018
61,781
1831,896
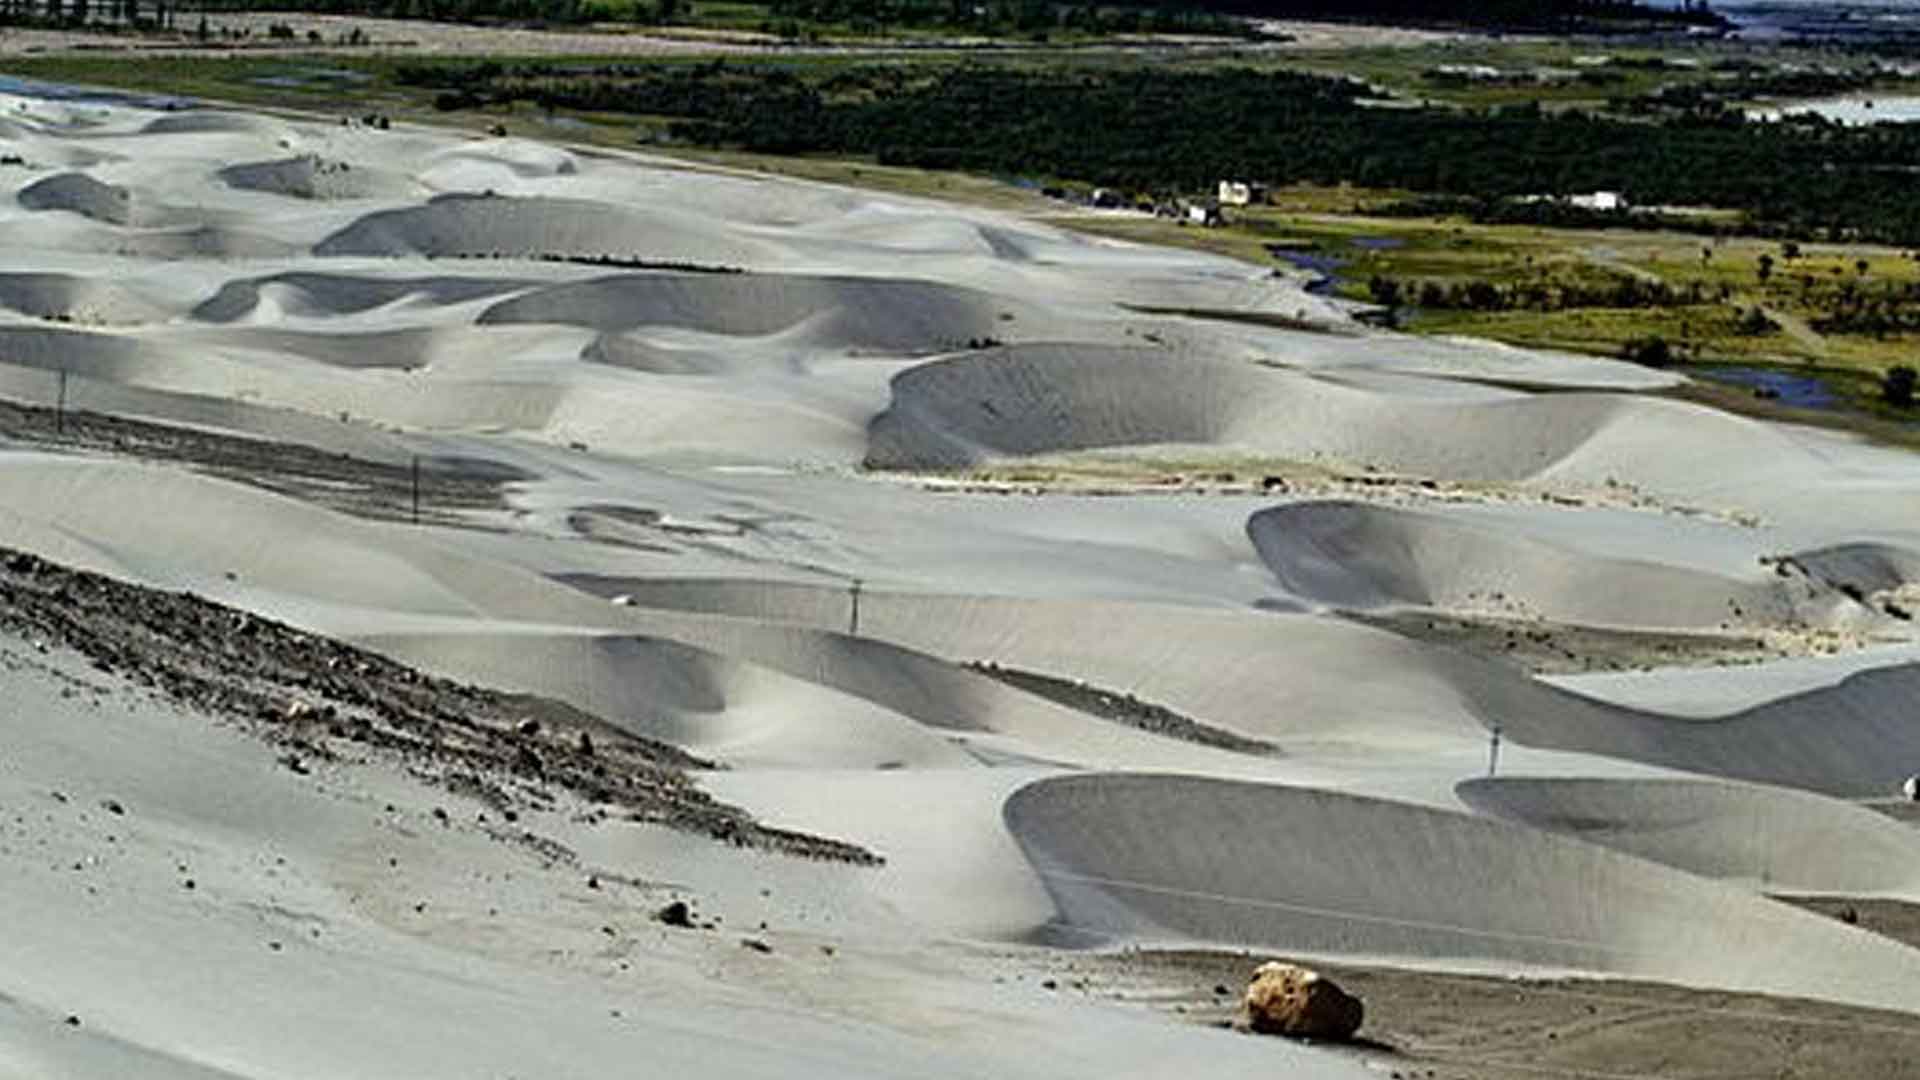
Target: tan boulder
x,y
1284,999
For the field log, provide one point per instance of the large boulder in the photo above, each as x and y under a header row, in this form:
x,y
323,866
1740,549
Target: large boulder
x,y
1285,999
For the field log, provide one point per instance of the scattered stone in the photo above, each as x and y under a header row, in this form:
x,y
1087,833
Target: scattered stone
x,y
73,1021
756,945
1285,999
112,806
1050,984
676,914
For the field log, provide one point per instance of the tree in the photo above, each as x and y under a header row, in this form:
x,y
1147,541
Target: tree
x,y
1766,268
1385,291
1898,384
1648,352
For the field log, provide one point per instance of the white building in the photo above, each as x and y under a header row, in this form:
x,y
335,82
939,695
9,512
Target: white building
x,y
1238,193
1600,200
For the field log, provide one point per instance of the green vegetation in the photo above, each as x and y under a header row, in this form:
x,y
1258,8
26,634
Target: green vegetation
x,y
1167,130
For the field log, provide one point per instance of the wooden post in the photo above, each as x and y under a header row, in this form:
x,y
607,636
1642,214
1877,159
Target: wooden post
x,y
853,622
416,489
60,405
1493,752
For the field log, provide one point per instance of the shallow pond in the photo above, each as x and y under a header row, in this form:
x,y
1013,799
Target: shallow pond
x,y
1786,387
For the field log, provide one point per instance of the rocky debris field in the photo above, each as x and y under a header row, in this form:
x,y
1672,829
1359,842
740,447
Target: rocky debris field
x,y
324,702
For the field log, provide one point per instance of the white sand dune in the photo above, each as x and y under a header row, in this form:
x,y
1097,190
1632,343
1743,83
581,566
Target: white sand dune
x,y
71,297
1178,859
302,935
312,177
481,226
678,550
1855,739
1041,400
1304,681
78,193
1867,567
1775,839
104,356
520,156
740,713
318,295
1360,556
867,314
213,121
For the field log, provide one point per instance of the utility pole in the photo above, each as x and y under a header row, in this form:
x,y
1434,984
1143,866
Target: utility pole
x,y
416,489
853,622
60,405
1493,752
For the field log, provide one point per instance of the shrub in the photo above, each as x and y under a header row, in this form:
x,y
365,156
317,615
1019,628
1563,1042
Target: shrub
x,y
1897,386
1648,352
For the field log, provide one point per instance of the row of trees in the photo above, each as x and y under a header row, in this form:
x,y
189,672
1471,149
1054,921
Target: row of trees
x,y
1006,16
1543,294
1536,15
1161,130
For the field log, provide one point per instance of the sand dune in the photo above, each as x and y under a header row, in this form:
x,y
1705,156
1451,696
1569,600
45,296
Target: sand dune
x,y
1051,399
1767,838
1159,858
212,121
869,314
645,501
1353,555
1039,400
1865,568
495,226
522,157
103,356
71,297
312,177
741,713
1852,740
81,194
318,295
